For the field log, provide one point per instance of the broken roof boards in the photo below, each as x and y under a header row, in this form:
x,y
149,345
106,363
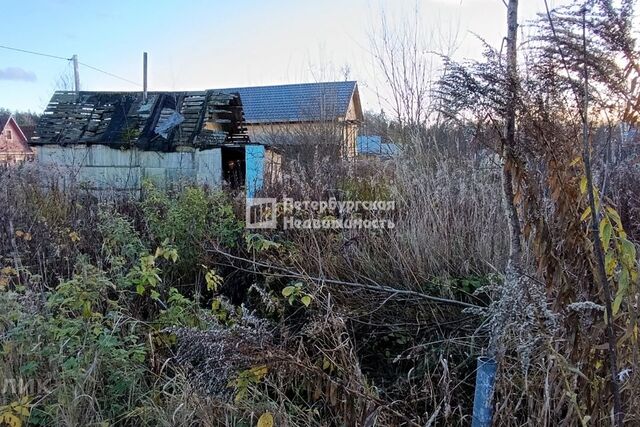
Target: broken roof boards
x,y
167,121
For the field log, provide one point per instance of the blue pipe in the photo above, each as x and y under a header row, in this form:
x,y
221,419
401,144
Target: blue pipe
x,y
482,401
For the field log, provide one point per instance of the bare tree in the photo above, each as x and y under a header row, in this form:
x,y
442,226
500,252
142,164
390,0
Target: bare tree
x,y
509,141
409,63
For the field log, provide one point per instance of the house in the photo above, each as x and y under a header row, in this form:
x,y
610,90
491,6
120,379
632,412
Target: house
x,y
116,140
372,146
14,145
113,141
303,113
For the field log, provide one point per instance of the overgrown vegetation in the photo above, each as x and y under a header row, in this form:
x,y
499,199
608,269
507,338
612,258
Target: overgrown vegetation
x,y
165,310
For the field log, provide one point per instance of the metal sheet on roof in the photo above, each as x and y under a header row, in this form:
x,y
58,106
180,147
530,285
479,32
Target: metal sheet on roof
x,y
295,102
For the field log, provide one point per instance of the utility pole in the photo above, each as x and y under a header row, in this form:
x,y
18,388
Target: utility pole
x,y
144,77
76,74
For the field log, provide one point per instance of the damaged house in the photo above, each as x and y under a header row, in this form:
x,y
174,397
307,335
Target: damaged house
x,y
116,140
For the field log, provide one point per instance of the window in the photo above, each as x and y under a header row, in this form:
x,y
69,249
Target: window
x,y
8,134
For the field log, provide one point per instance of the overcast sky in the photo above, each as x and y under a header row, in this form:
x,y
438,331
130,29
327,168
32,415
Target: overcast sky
x,y
199,44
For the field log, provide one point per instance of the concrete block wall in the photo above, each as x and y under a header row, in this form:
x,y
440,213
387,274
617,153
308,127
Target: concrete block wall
x,y
104,168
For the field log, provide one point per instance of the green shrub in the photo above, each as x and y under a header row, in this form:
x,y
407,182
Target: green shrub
x,y
86,354
122,244
190,218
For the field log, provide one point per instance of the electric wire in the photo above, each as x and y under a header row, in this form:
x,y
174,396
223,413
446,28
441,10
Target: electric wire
x,y
69,59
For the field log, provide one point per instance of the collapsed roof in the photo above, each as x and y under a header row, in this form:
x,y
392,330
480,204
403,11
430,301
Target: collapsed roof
x,y
165,122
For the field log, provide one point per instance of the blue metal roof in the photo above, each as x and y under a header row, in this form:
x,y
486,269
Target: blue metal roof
x,y
373,145
295,102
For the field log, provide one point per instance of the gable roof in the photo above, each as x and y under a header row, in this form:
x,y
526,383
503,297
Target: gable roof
x,y
4,118
14,145
303,102
164,122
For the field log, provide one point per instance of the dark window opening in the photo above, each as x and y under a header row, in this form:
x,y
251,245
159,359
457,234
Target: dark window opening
x,y
233,166
8,134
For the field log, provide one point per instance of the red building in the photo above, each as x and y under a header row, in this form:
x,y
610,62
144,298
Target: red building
x,y
14,146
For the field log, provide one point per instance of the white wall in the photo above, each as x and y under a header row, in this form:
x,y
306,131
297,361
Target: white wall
x,y
109,169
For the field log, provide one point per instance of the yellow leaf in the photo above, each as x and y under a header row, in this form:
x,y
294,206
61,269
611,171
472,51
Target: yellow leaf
x,y
583,185
265,420
8,271
613,214
259,372
74,236
288,291
586,213
22,410
10,419
306,300
610,263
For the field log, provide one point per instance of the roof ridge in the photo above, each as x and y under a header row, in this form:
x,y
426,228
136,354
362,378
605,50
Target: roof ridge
x,y
293,84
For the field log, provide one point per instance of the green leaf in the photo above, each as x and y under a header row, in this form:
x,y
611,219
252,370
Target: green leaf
x,y
306,300
605,232
86,309
623,286
616,303
628,254
288,291
326,363
586,213
623,280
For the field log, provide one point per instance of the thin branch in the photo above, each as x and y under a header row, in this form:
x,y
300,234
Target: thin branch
x,y
285,272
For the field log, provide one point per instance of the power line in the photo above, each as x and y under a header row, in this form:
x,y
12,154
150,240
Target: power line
x,y
109,74
69,59
34,53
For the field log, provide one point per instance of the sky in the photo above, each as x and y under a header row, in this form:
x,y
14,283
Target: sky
x,y
203,44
